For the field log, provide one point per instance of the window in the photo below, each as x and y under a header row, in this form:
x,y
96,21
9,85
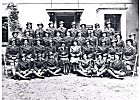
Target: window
x,y
4,29
115,19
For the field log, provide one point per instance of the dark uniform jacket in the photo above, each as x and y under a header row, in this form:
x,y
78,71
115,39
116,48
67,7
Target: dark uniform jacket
x,y
46,41
117,65
40,32
51,32
23,66
12,50
26,49
129,53
17,40
73,32
102,49
84,32
39,65
68,40
81,40
62,31
106,39
97,33
93,40
31,31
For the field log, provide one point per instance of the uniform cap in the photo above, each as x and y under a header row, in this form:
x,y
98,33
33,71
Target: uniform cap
x,y
61,22
73,23
40,24
132,34
28,23
50,22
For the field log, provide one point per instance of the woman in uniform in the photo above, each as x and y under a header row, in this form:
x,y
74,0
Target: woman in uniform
x,y
110,31
89,50
75,53
57,40
12,55
93,39
29,29
15,38
129,55
85,65
103,48
135,42
51,30
62,30
40,30
68,39
120,42
97,32
26,49
105,38
84,31
39,50
73,31
51,66
46,39
113,48
80,39
22,68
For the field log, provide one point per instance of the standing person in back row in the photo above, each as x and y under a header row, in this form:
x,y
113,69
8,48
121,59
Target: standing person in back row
x,y
40,31
51,29
84,31
110,31
62,30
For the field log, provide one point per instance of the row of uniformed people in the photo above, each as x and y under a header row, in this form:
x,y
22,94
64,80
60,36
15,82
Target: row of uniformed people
x,y
104,65
68,59
73,32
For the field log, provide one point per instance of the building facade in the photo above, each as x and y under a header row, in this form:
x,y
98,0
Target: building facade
x,y
123,14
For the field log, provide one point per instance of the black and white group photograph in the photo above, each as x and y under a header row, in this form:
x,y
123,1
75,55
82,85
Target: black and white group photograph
x,y
70,50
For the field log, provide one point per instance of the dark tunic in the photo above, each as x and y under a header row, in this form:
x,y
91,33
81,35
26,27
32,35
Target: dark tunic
x,y
27,50
12,50
40,32
68,41
84,32
23,66
117,65
97,33
93,40
17,41
73,32
31,31
62,31
39,65
81,40
57,42
46,41
39,49
106,39
110,32
51,32
113,50
129,53
102,49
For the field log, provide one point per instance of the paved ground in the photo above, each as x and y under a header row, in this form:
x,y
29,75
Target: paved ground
x,y
71,87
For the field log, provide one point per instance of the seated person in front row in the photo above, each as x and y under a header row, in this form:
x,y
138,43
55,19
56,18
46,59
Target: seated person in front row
x,y
51,66
85,66
129,55
112,67
22,68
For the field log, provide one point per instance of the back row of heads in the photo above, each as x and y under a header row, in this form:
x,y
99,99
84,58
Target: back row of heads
x,y
61,23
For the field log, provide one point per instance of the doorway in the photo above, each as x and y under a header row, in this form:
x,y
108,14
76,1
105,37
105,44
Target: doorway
x,y
67,21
